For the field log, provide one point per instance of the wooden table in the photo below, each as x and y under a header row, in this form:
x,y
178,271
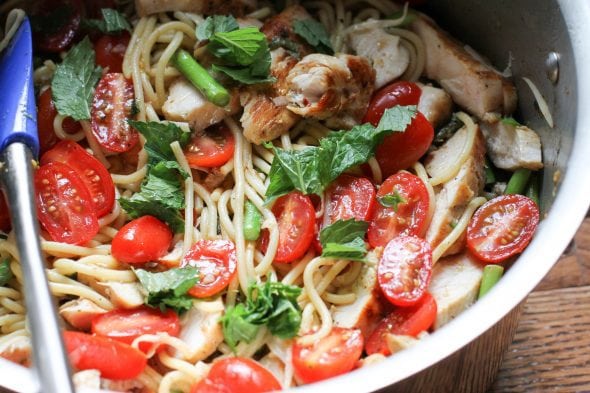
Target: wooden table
x,y
551,350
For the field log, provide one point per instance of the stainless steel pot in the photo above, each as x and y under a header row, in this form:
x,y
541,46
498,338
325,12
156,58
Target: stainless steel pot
x,y
464,355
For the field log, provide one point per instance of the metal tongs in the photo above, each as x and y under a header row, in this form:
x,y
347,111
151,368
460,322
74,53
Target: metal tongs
x,y
19,146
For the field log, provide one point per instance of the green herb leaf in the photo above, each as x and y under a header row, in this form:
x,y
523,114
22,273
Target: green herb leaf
x,y
158,137
396,119
510,121
169,289
315,34
74,80
243,75
5,272
239,46
391,200
112,22
447,131
354,250
216,24
344,239
273,304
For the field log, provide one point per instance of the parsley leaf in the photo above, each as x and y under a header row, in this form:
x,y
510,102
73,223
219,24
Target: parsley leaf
x,y
391,200
169,289
216,24
112,22
273,304
344,239
510,121
5,272
315,34
73,83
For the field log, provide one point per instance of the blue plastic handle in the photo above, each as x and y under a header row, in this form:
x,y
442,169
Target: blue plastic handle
x,y
18,113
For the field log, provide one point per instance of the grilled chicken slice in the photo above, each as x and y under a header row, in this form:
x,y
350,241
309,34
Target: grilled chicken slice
x,y
206,7
86,379
384,51
475,86
186,103
201,330
336,89
512,147
453,196
396,342
279,29
435,104
80,312
17,350
121,294
454,286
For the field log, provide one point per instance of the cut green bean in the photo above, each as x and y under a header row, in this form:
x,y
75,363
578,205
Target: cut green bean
x,y
252,221
490,175
491,275
518,181
532,189
200,78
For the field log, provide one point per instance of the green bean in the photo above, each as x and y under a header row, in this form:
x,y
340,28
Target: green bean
x,y
490,174
491,275
518,181
200,78
532,189
252,221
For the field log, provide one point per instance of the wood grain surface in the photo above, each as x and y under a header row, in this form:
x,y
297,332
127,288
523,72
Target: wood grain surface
x,y
551,349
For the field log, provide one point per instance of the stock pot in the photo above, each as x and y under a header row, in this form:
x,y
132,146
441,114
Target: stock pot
x,y
546,41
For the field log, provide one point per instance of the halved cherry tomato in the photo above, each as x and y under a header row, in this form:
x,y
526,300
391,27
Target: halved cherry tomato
x,y
236,375
111,107
5,223
406,321
110,50
328,357
404,270
296,220
502,227
56,23
94,175
217,263
113,359
142,240
408,218
46,112
64,205
397,93
211,148
126,325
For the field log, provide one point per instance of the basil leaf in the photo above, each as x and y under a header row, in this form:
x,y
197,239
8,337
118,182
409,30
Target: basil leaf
x,y
354,250
158,137
5,272
243,75
301,168
216,24
73,83
236,327
343,239
239,46
315,34
112,22
397,118
169,289
391,200
510,121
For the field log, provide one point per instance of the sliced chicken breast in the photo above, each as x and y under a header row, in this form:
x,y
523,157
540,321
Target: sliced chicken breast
x,y
435,104
475,86
86,379
17,350
511,147
453,196
396,342
80,312
200,329
383,50
454,286
121,294
206,7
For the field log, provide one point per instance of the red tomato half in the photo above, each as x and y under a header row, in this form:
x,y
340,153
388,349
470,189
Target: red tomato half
x,y
113,359
217,264
397,93
237,375
409,218
56,23
5,223
211,148
406,321
64,204
296,220
404,270
111,108
95,176
502,227
333,355
46,112
144,239
126,325
110,50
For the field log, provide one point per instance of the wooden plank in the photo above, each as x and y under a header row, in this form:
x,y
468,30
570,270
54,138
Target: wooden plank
x,y
551,349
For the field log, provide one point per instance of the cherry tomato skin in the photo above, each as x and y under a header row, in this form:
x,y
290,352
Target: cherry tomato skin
x,y
110,50
114,359
407,321
404,270
502,227
46,112
328,357
296,221
62,37
217,263
211,148
410,216
95,176
236,375
64,205
111,108
142,240
5,224
127,325
397,93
